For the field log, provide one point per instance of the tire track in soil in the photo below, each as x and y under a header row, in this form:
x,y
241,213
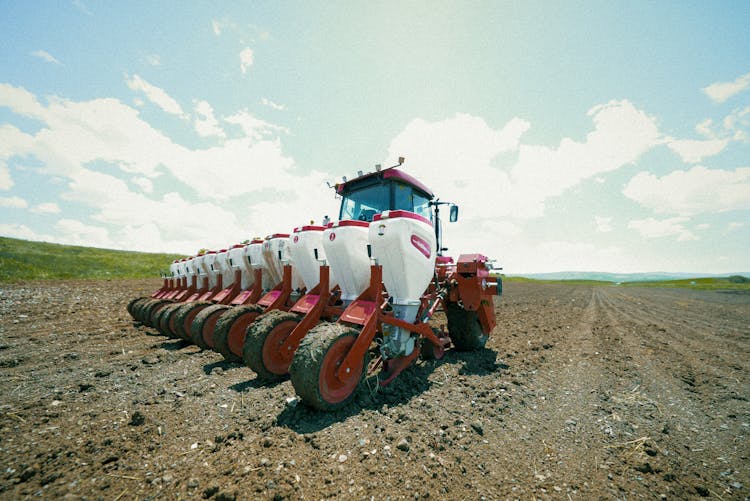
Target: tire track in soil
x,y
662,373
564,451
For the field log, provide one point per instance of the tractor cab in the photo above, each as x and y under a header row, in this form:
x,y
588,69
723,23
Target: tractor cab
x,y
390,189
371,194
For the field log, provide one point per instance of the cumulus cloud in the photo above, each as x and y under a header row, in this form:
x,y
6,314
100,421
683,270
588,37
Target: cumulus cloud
x,y
206,124
46,56
153,59
694,150
246,59
462,157
695,191
271,104
155,94
255,186
46,208
719,92
75,232
15,230
13,202
6,182
144,183
658,228
603,224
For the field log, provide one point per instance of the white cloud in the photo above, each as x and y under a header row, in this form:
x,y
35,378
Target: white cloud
x,y
721,91
144,184
78,138
703,226
20,101
46,56
495,176
75,232
694,150
6,182
246,59
82,7
705,128
206,124
253,127
735,225
271,104
153,59
603,224
155,94
737,123
698,190
217,26
46,208
13,202
14,230
655,228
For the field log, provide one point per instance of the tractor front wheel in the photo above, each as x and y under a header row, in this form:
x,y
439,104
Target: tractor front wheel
x,y
231,328
314,367
262,351
464,328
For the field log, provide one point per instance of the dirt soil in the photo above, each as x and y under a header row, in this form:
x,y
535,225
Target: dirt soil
x,y
582,393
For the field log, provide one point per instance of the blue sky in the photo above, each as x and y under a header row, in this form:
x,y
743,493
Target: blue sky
x,y
609,136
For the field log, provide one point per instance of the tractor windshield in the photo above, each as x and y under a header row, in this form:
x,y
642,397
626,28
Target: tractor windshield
x,y
362,204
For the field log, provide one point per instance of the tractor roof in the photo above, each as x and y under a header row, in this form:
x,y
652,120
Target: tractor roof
x,y
390,173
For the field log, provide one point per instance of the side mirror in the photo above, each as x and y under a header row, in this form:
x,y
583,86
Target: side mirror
x,y
454,213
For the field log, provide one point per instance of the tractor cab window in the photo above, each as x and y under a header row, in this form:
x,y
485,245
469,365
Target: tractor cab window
x,y
363,204
407,198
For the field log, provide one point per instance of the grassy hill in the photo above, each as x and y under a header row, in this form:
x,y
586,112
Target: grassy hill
x,y
735,282
24,260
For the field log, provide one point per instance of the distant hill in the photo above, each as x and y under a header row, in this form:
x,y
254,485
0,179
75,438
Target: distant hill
x,y
25,260
623,277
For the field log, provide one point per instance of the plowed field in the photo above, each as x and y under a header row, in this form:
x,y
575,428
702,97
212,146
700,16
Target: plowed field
x,y
582,392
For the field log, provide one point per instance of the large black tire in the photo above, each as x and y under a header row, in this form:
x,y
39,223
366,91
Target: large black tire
x,y
314,364
132,303
184,317
207,317
166,319
138,309
234,323
157,315
464,328
149,312
261,351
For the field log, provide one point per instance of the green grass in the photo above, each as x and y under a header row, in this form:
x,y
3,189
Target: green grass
x,y
561,282
24,260
711,283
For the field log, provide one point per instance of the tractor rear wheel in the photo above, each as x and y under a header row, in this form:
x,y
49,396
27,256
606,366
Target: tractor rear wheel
x,y
314,366
202,328
185,315
464,328
262,351
231,329
166,319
